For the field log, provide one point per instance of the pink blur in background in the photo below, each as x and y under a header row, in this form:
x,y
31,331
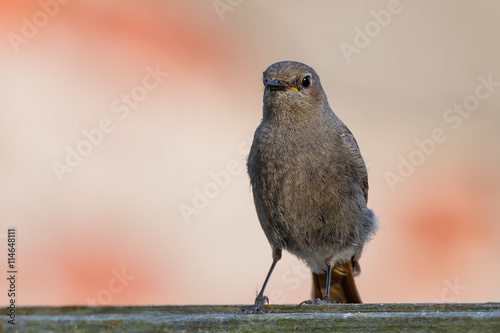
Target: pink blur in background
x,y
159,101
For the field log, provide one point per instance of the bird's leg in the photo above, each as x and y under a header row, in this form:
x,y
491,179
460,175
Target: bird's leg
x,y
261,300
326,298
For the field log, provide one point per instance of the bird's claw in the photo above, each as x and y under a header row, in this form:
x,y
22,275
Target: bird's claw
x,y
308,302
258,306
318,301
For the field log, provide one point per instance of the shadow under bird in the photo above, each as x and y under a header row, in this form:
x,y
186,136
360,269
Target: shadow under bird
x,y
310,184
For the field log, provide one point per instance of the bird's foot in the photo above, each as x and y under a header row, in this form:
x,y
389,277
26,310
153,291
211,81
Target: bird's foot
x,y
319,301
258,306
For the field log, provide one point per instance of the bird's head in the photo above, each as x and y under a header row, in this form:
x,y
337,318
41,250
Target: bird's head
x,y
293,90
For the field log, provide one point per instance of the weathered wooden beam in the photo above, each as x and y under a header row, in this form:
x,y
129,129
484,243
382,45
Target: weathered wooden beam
x,y
470,317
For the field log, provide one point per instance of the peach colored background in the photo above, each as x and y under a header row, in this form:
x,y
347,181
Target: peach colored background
x,y
119,210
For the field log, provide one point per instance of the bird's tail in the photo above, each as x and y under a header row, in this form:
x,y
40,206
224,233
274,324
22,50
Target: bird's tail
x,y
342,286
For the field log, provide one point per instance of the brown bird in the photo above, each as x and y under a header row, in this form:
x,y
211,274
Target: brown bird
x,y
309,183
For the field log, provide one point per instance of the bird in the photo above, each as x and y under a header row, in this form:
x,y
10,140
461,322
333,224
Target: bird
x,y
309,184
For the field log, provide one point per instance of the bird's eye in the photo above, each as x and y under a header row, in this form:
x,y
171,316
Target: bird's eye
x,y
306,81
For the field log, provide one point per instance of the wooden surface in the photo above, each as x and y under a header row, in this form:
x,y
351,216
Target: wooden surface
x,y
470,317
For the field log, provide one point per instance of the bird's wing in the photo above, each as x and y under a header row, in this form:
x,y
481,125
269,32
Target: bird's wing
x,y
352,145
362,175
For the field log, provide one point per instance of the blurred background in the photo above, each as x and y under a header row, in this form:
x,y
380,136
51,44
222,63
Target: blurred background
x,y
125,126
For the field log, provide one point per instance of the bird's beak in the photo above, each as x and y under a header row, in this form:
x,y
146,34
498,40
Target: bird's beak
x,y
275,85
